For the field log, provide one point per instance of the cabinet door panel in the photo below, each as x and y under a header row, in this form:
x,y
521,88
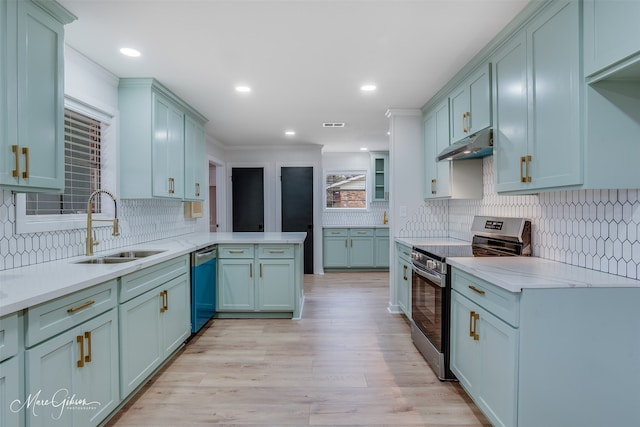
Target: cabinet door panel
x,y
98,380
236,290
459,101
382,252
499,369
49,369
194,161
10,390
554,98
361,252
276,284
175,319
335,252
40,97
611,32
140,340
480,99
510,118
465,351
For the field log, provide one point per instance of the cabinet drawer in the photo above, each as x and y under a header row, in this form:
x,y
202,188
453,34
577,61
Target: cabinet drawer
x,y
382,232
404,253
335,232
53,317
503,304
137,283
361,232
275,251
8,336
235,251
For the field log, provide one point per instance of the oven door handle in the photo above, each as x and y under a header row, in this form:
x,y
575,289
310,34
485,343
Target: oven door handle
x,y
432,277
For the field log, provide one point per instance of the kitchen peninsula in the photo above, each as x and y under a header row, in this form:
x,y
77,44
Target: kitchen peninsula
x,y
102,325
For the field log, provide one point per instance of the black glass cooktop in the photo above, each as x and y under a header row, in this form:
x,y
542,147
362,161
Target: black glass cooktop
x,y
441,252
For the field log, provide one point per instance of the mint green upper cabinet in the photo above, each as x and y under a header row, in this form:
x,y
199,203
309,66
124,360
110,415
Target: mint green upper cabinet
x,y
452,180
167,148
552,157
380,176
154,127
195,175
611,34
471,104
32,90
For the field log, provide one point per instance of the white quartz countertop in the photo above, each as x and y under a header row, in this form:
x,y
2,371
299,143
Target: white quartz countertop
x,y
436,241
24,287
517,273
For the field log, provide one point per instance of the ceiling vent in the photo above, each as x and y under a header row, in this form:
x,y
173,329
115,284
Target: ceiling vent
x,y
332,125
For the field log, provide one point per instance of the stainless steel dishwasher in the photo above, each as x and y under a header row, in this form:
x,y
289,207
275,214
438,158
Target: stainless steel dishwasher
x,y
203,287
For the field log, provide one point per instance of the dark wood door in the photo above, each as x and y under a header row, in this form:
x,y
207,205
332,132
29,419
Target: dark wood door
x,y
297,207
247,199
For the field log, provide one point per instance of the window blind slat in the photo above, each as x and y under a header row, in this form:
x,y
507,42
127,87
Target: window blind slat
x,y
82,169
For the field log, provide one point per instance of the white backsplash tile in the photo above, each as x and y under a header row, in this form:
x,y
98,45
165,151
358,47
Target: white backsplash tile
x,y
373,216
140,221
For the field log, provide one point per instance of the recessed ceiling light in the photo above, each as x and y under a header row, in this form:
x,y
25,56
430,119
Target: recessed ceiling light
x,y
289,132
364,149
368,88
243,89
127,51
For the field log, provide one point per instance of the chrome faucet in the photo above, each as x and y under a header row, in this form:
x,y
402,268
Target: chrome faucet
x,y
91,234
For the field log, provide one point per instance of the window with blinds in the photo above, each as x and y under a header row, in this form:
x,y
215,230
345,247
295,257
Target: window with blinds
x,y
82,170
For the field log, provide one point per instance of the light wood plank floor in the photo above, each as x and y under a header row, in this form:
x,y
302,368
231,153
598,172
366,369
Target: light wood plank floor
x,y
347,362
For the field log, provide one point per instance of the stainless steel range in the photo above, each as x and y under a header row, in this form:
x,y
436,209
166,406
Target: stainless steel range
x,y
431,286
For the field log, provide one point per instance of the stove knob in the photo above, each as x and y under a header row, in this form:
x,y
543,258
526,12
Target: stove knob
x,y
431,264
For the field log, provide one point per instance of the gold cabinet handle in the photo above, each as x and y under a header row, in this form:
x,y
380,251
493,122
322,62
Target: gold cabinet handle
x,y
163,296
476,317
522,177
16,172
236,251
335,232
80,341
433,186
346,245
166,300
473,288
260,270
25,151
527,161
404,272
197,189
87,336
465,122
351,240
276,251
80,307
250,270
471,315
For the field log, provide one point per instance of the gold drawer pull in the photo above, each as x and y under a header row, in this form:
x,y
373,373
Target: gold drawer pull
x,y
164,301
335,232
236,251
362,232
473,288
16,172
80,307
276,251
476,317
197,189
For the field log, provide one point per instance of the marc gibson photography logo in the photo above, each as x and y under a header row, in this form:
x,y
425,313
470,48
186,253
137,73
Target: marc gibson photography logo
x,y
60,401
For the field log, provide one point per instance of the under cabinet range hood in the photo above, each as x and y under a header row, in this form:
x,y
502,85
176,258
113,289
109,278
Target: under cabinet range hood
x,y
480,144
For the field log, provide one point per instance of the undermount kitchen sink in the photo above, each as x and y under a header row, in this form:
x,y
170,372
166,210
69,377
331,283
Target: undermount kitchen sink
x,y
119,257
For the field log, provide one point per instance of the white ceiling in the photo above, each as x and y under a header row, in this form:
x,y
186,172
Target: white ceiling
x,y
304,59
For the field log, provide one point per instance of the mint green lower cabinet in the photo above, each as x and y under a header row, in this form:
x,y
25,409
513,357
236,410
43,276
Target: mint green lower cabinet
x,y
357,248
152,326
260,280
140,337
484,352
11,388
235,284
361,252
403,279
80,364
571,351
276,284
336,252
